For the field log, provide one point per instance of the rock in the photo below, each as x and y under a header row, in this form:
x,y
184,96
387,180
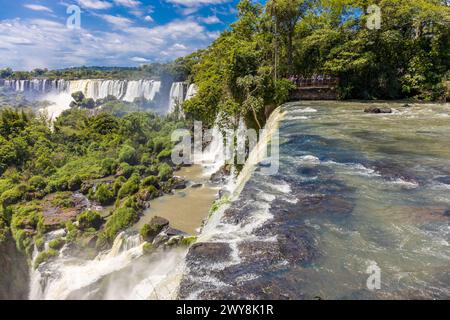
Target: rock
x,y
174,232
160,240
85,187
197,185
203,253
406,105
377,110
90,241
221,175
154,228
444,180
179,183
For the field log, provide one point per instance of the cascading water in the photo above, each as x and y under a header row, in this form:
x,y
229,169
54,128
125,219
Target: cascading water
x,y
192,91
176,96
124,272
59,92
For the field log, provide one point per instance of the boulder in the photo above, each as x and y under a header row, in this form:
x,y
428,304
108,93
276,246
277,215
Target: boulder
x,y
154,228
179,184
377,110
197,185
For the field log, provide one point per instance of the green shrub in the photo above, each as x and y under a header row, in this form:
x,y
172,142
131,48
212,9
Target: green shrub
x,y
150,181
44,256
38,183
125,170
104,195
71,231
128,154
12,196
164,155
90,219
56,244
130,187
74,183
63,200
109,166
120,220
120,181
164,172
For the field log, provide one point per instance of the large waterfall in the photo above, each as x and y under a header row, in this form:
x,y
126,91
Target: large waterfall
x,y
59,92
127,90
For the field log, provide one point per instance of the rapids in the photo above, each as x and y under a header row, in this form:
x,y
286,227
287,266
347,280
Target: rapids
x,y
353,191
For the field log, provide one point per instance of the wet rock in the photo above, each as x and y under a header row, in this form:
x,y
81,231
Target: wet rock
x,y
444,180
209,253
179,184
174,232
150,231
14,275
406,105
393,171
160,240
85,187
197,185
221,175
377,110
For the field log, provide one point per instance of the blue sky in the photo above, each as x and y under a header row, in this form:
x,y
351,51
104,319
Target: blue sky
x,y
34,33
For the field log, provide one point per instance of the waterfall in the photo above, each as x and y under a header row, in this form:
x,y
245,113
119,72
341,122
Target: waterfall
x,y
124,272
92,88
192,91
176,96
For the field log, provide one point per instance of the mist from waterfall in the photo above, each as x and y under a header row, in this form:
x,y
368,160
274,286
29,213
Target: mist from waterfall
x,y
125,272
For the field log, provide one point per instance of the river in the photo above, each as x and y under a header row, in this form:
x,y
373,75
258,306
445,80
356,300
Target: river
x,y
357,195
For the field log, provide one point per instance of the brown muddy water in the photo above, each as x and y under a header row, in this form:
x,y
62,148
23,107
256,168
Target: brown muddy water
x,y
185,209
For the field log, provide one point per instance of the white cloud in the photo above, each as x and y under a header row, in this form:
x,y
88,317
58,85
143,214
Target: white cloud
x,y
29,44
195,3
95,4
148,19
128,3
211,20
116,20
139,59
37,7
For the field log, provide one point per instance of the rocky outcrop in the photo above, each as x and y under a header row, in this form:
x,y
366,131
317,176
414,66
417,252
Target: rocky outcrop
x,y
14,275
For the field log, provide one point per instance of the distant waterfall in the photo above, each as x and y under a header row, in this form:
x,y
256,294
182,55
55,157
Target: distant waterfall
x,y
176,96
126,90
59,91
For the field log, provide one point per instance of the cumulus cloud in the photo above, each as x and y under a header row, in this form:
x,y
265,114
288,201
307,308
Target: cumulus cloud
x,y
29,44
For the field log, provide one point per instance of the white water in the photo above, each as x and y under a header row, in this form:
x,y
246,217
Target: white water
x,y
59,92
176,96
192,91
126,90
123,272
